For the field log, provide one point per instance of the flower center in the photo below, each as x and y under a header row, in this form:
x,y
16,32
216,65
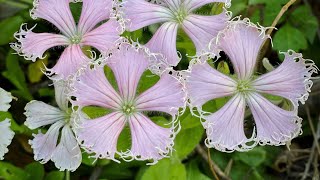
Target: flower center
x,y
76,39
128,108
244,86
179,15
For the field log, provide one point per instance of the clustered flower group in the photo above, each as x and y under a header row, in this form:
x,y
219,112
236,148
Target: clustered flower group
x,y
81,81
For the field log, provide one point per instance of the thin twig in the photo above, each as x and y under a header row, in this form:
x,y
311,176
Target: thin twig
x,y
211,165
312,129
216,168
282,11
312,154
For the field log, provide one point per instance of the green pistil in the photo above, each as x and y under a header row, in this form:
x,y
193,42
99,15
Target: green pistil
x,y
76,39
128,109
67,116
244,86
180,15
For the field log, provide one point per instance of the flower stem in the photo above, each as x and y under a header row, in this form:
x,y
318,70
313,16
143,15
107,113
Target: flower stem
x,y
67,175
282,11
211,166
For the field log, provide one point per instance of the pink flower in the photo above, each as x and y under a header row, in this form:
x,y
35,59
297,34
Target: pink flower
x,y
67,154
241,41
74,36
6,134
100,135
174,14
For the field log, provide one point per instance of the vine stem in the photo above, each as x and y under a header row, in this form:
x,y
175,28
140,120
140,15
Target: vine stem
x,y
67,175
280,14
213,166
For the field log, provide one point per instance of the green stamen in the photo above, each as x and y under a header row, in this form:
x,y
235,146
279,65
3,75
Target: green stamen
x,y
244,86
76,39
180,15
128,109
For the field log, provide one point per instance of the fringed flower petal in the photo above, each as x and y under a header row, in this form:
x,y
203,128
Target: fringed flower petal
x,y
225,128
93,12
5,99
195,4
70,61
201,29
44,145
274,125
128,65
56,12
32,45
100,135
205,83
173,4
103,37
141,13
164,42
6,136
67,155
92,88
149,141
241,41
40,114
166,95
61,94
290,80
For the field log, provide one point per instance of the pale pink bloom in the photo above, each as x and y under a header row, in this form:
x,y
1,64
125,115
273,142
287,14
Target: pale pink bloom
x,y
66,154
128,107
73,36
174,14
6,134
241,41
5,99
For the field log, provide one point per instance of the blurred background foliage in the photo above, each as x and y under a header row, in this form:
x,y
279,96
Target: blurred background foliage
x,y
298,30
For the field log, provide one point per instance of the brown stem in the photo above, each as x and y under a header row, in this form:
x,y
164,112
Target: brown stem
x,y
282,11
211,165
215,167
315,136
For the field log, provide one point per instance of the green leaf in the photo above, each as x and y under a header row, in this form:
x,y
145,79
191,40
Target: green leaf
x,y
35,70
289,37
193,172
303,19
242,171
16,76
10,172
268,2
36,171
95,112
189,136
55,175
166,169
252,158
117,171
238,6
87,160
14,126
8,27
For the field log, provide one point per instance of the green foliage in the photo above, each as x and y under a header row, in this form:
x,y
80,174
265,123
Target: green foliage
x,y
8,27
16,76
10,172
36,171
193,172
189,136
166,169
289,37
